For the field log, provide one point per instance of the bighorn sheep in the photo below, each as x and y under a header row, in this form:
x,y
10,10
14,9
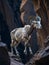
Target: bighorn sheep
x,y
24,33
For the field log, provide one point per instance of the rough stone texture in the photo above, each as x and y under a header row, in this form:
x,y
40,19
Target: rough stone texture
x,y
4,57
10,19
11,13
40,57
15,60
40,6
44,32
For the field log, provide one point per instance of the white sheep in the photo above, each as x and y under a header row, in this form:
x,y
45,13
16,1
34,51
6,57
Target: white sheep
x,y
22,33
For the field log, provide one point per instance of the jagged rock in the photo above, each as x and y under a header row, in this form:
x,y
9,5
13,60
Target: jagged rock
x,y
44,57
4,57
41,57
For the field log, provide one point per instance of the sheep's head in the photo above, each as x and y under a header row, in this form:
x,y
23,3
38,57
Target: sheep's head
x,y
37,22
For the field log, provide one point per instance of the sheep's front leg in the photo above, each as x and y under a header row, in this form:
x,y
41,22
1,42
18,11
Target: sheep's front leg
x,y
30,50
28,44
25,51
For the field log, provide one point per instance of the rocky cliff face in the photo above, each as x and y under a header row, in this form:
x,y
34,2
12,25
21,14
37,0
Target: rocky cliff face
x,y
42,9
11,13
43,12
9,18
